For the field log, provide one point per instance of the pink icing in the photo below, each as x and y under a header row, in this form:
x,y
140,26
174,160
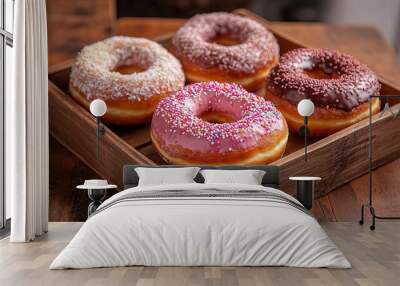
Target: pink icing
x,y
176,120
257,48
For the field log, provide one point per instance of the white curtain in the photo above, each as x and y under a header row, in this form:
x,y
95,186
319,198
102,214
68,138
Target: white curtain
x,y
27,149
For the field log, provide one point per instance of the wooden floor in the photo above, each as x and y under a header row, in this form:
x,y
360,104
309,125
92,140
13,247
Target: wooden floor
x,y
375,257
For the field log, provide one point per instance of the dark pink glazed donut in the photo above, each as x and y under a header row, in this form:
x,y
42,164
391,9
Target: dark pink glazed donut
x,y
252,51
255,131
338,85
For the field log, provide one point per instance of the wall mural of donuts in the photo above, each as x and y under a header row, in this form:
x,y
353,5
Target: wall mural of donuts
x,y
213,88
219,92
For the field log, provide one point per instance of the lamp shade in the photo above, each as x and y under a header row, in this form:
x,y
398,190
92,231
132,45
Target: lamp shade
x,y
98,107
305,107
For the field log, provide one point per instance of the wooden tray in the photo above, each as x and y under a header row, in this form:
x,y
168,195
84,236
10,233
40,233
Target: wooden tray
x,y
338,158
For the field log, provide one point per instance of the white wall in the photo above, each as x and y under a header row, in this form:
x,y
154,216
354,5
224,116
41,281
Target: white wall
x,y
383,14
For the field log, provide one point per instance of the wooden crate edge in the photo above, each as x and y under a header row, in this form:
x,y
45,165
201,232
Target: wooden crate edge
x,y
79,118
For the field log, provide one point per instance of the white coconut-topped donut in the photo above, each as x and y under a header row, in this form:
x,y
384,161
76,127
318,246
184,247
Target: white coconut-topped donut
x,y
95,75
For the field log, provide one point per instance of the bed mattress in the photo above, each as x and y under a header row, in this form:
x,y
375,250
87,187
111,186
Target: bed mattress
x,y
201,225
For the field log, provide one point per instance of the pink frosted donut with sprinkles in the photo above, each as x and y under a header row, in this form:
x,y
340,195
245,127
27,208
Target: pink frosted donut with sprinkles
x,y
227,48
338,85
130,74
218,123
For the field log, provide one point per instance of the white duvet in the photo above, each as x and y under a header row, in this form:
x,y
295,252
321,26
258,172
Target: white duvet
x,y
200,231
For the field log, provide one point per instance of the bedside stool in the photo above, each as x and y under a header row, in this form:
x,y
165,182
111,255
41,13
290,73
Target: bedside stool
x,y
97,190
305,190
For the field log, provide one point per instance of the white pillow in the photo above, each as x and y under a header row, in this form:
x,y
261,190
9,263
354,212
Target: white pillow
x,y
165,176
248,177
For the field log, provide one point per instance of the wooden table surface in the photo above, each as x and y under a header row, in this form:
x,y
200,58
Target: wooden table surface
x,y
343,204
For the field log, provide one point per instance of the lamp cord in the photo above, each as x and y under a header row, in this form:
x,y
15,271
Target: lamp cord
x,y
97,137
305,137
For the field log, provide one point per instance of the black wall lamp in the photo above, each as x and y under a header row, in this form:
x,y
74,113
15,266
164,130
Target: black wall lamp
x,y
305,108
98,108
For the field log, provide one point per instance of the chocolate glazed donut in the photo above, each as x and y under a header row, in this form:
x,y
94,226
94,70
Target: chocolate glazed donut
x,y
338,85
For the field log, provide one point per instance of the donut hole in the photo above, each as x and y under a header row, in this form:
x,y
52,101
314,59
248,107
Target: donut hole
x,y
216,108
217,117
131,61
125,69
319,73
225,40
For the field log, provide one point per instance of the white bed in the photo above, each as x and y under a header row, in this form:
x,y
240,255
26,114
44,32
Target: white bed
x,y
247,226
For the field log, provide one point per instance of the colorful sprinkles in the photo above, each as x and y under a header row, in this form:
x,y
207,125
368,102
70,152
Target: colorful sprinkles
x,y
257,48
177,121
351,85
93,72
